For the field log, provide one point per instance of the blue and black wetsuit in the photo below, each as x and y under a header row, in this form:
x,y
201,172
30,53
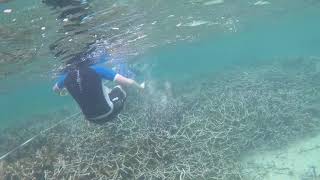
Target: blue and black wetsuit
x,y
85,86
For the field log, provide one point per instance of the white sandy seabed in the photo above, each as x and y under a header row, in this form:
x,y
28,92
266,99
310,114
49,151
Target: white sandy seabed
x,y
298,161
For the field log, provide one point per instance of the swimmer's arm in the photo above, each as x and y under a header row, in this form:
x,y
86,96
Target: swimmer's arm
x,y
127,82
111,75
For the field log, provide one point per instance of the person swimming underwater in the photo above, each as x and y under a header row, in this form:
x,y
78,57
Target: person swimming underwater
x,y
85,84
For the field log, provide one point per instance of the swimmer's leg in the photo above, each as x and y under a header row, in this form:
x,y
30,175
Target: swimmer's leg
x,y
118,96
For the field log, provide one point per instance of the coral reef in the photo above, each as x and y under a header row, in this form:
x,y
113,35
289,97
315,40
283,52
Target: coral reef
x,y
197,132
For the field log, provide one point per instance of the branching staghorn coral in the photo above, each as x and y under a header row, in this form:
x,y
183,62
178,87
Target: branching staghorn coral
x,y
198,134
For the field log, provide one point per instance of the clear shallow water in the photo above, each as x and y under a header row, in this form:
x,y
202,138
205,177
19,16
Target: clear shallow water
x,y
171,42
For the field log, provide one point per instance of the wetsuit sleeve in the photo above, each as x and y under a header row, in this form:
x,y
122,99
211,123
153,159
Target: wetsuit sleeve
x,y
105,73
60,82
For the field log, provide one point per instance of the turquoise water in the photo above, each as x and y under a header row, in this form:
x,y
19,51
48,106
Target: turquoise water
x,y
175,45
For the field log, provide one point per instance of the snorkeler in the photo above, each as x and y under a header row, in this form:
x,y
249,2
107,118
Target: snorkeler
x,y
97,102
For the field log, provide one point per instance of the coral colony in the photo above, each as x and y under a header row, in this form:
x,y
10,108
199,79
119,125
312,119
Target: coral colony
x,y
198,132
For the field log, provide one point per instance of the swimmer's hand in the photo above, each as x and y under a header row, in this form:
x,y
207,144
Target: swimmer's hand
x,y
140,87
128,82
143,85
